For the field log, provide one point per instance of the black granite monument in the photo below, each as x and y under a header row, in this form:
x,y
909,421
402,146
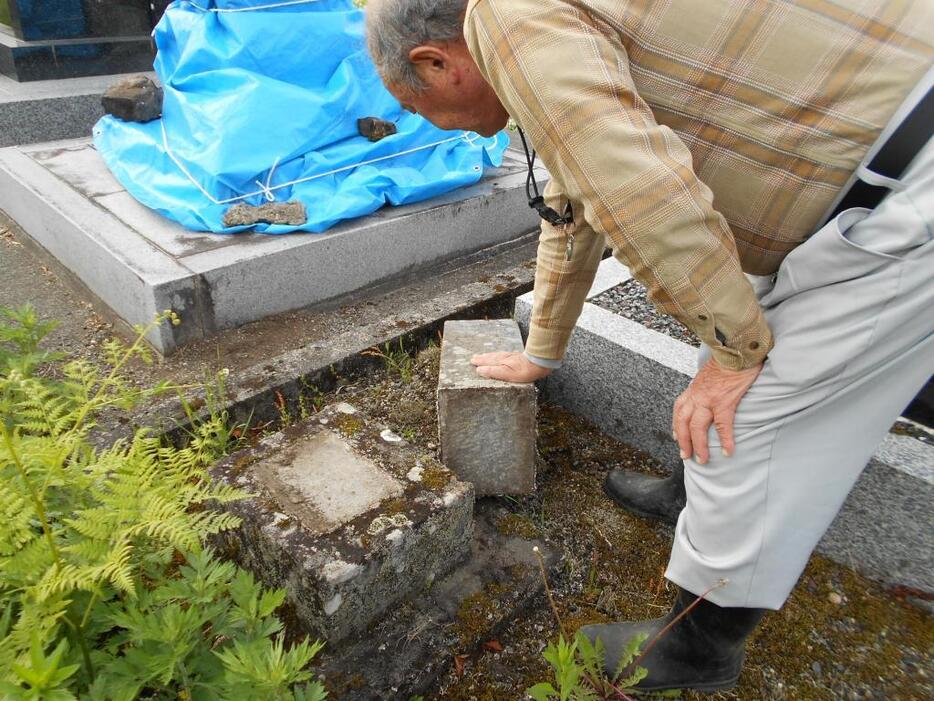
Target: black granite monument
x,y
45,39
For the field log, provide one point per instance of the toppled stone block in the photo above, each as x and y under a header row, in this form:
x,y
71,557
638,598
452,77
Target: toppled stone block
x,y
135,99
291,213
374,128
486,427
344,520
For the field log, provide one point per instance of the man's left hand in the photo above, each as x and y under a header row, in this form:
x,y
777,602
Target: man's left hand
x,y
711,398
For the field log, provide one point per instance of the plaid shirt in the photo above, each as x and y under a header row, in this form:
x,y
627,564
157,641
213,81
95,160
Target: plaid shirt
x,y
700,139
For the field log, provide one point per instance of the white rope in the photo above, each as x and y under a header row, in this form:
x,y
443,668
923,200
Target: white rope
x,y
270,6
266,189
270,197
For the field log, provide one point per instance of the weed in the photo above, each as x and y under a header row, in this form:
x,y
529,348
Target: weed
x,y
397,361
578,665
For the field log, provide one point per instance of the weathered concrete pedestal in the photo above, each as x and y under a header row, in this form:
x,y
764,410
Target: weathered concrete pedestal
x,y
625,377
137,263
347,518
486,427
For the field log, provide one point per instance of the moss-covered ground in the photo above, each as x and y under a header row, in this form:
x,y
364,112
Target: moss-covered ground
x,y
840,636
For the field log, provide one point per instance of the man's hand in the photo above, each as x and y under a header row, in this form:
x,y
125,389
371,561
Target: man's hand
x,y
711,398
510,367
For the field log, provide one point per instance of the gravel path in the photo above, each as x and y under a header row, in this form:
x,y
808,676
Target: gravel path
x,y
630,300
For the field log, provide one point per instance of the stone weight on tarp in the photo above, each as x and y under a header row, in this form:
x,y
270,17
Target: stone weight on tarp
x,y
136,99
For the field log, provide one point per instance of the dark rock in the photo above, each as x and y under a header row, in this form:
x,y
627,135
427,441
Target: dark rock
x,y
292,213
374,128
135,99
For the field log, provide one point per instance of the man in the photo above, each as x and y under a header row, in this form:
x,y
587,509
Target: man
x,y
701,140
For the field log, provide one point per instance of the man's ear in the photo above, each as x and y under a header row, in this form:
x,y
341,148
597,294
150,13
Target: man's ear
x,y
431,62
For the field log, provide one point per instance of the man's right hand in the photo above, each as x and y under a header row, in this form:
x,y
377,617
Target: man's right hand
x,y
509,367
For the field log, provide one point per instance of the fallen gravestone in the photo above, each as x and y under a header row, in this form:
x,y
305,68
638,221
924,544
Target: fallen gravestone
x,y
486,427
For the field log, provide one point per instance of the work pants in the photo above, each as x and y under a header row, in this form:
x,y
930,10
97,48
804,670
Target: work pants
x,y
852,311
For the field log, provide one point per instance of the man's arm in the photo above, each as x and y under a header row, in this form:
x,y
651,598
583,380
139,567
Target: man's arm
x,y
567,82
561,287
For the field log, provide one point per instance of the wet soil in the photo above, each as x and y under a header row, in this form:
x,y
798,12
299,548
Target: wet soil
x,y
840,636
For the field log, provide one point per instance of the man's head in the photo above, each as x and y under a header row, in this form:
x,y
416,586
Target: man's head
x,y
419,50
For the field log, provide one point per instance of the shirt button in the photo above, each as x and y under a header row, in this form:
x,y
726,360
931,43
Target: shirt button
x,y
753,345
702,317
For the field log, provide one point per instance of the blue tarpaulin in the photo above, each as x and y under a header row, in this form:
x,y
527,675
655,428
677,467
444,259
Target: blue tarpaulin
x,y
261,104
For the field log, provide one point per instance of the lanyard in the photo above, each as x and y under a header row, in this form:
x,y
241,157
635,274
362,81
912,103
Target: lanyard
x,y
537,202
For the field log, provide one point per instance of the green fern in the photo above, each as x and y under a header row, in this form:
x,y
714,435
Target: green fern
x,y
106,588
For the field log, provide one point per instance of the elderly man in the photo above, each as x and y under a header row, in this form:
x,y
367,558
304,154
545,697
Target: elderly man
x,y
707,142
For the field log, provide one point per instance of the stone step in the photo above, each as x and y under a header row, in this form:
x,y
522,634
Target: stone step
x,y
625,378
347,517
135,262
486,427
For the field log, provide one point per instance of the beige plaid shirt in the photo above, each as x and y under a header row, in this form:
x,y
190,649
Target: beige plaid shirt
x,y
698,138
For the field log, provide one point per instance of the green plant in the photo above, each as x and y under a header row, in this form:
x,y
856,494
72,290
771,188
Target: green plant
x,y
398,362
106,588
579,669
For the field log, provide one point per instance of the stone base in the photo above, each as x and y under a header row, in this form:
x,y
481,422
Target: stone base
x,y
625,378
136,262
346,517
405,653
50,110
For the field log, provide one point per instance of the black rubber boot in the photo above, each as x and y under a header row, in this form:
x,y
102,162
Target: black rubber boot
x,y
703,651
651,497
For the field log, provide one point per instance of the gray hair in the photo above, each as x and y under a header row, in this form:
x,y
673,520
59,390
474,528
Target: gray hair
x,y
395,27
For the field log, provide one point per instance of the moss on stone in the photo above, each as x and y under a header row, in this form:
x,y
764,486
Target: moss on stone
x,y
348,424
517,525
477,613
391,507
434,475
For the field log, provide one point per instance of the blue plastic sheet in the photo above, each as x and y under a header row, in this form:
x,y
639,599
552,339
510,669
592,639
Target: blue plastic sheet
x,y
262,102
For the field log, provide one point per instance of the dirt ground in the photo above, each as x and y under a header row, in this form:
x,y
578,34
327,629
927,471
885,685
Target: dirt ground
x,y
840,636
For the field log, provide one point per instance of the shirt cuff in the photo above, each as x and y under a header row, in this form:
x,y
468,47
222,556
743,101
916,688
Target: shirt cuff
x,y
543,362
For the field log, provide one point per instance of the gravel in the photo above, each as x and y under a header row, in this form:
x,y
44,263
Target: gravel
x,y
631,301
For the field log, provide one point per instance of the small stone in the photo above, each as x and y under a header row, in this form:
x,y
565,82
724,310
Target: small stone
x,y
345,408
331,605
835,598
374,128
816,668
289,213
390,437
415,474
135,99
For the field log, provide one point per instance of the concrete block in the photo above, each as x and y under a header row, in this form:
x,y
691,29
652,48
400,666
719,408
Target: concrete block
x,y
625,378
347,517
486,427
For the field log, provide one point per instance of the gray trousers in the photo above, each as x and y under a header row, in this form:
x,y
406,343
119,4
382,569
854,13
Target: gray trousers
x,y
852,311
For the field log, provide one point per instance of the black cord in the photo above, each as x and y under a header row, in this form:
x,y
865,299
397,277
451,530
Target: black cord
x,y
536,201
